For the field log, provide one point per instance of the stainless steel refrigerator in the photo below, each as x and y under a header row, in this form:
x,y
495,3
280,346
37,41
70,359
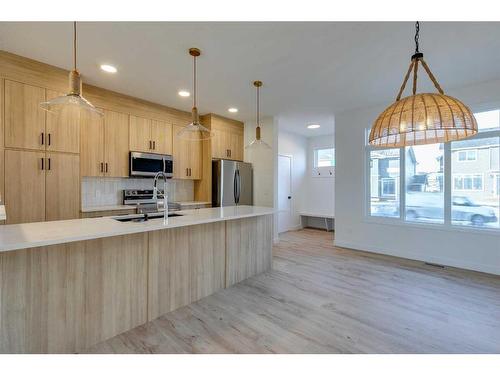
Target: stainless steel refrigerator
x,y
231,183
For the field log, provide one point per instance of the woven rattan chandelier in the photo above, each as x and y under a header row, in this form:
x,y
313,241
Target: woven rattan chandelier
x,y
422,118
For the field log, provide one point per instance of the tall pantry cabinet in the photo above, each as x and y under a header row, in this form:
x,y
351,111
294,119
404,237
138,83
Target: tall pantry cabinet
x,y
41,156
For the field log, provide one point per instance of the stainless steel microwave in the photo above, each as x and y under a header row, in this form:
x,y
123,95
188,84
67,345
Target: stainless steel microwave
x,y
144,164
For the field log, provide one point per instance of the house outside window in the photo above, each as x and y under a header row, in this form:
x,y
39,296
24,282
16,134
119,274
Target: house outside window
x,y
450,184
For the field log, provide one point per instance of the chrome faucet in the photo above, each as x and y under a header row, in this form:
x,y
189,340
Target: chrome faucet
x,y
165,196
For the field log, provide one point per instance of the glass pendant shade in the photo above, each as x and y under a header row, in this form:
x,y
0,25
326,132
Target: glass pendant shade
x,y
258,143
195,131
73,97
423,118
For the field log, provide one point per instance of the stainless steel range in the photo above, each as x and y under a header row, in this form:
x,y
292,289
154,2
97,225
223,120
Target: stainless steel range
x,y
143,200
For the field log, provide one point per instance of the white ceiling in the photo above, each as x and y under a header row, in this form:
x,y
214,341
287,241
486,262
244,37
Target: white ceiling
x,y
310,70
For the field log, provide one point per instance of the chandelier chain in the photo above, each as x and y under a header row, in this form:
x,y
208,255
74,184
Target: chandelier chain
x,y
417,36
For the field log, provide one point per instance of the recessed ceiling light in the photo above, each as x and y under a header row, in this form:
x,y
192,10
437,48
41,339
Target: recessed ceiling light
x,y
108,68
313,126
233,110
184,93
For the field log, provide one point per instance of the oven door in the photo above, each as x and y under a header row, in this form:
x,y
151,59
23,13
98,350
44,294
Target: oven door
x,y
146,165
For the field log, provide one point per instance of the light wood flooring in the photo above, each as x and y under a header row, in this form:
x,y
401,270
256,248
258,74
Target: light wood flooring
x,y
322,299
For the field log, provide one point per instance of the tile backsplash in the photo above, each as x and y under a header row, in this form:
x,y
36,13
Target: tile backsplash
x,y
104,191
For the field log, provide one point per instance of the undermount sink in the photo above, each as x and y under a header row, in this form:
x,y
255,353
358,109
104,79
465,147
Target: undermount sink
x,y
143,217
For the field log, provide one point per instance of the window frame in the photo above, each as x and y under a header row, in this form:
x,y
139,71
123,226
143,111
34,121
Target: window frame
x,y
315,157
448,191
472,176
467,152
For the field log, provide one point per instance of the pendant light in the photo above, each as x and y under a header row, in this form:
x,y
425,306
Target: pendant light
x,y
422,118
258,143
73,97
195,131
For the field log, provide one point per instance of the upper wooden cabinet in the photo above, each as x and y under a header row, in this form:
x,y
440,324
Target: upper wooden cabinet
x,y
27,126
24,119
150,135
227,142
161,134
105,144
63,129
116,150
187,157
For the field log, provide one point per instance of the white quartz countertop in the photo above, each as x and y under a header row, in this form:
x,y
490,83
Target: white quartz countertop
x,y
107,208
20,236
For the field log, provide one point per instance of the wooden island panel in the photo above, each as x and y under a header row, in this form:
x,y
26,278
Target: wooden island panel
x,y
249,245
64,298
185,264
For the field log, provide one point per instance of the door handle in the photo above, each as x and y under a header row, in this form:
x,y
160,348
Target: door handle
x,y
42,163
102,167
154,145
289,197
106,168
189,172
48,164
48,140
230,153
42,136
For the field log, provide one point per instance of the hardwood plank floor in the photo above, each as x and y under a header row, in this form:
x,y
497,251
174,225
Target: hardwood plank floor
x,y
323,299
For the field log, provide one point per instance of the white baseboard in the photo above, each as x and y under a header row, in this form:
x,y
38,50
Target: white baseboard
x,y
487,268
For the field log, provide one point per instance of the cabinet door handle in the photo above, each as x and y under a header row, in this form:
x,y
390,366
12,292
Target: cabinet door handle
x,y
189,172
150,145
48,140
42,139
48,164
102,167
230,153
42,163
154,145
106,167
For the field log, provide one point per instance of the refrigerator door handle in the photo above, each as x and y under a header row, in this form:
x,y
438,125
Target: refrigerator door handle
x,y
235,187
239,185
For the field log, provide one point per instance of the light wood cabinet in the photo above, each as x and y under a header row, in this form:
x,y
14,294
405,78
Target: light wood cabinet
x,y
41,186
24,186
161,134
62,186
27,126
187,157
140,134
92,145
105,145
227,142
150,135
62,129
24,119
116,150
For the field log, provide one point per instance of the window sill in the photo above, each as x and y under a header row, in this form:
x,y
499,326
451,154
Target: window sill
x,y
439,227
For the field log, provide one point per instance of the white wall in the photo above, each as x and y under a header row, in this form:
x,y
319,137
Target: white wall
x,y
265,165
294,145
465,249
320,195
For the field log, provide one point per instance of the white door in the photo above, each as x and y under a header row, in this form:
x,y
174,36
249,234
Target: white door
x,y
284,193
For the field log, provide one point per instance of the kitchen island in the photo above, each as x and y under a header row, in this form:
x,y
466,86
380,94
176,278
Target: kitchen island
x,y
66,285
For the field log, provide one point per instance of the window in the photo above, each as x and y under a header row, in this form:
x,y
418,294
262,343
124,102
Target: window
x,y
384,178
324,157
450,184
487,121
467,155
469,182
424,183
